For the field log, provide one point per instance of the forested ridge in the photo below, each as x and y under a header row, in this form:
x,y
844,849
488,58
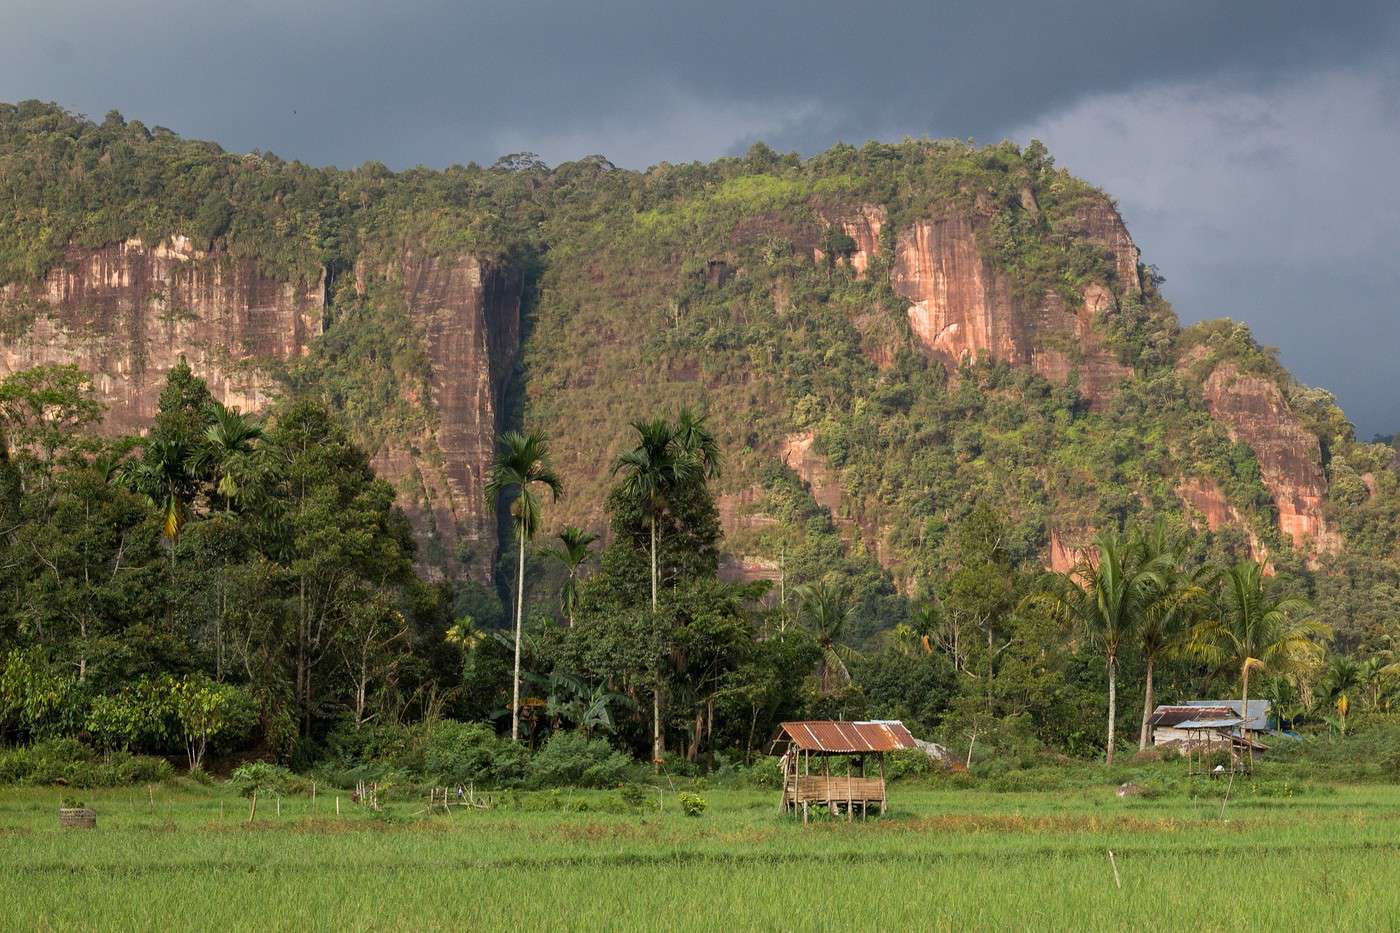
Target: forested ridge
x,y
241,582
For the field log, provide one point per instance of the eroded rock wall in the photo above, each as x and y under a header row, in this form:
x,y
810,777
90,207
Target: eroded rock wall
x,y
470,313
126,313
962,307
1253,410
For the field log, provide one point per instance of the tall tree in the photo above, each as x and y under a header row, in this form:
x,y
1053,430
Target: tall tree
x,y
227,459
226,456
520,467
655,475
1181,602
826,612
1258,628
1105,597
337,540
574,551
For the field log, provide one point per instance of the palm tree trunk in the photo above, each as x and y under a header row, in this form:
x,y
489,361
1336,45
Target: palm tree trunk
x,y
1112,704
1244,700
656,690
519,622
1147,707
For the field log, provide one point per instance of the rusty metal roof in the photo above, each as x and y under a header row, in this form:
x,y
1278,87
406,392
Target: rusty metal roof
x,y
847,738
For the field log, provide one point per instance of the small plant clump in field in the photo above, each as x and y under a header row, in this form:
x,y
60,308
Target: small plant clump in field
x,y
692,804
633,796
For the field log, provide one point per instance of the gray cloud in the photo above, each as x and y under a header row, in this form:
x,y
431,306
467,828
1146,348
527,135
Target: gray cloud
x,y
1260,215
1276,206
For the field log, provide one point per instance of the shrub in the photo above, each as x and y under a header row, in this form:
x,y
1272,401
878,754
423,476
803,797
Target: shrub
x,y
262,777
67,761
467,753
571,758
634,796
692,804
764,773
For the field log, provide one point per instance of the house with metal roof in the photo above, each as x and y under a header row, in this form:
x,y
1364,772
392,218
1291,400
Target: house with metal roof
x,y
1210,721
820,742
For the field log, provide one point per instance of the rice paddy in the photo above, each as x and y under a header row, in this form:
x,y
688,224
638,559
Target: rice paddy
x,y
185,856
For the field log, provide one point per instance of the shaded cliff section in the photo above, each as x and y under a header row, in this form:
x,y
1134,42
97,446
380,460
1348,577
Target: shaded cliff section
x,y
127,313
469,312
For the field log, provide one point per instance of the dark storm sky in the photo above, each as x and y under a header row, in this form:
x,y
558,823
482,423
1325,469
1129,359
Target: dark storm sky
x,y
1252,145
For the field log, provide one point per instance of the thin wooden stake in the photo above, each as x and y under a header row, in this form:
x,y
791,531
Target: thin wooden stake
x,y
337,807
252,811
279,805
1114,862
313,796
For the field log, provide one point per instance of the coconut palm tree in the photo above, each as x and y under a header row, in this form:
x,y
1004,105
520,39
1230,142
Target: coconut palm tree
x,y
1343,680
823,607
651,472
227,455
164,477
694,439
574,552
520,467
1182,600
1106,597
1257,629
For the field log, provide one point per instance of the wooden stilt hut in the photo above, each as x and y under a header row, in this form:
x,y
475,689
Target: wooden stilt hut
x,y
808,750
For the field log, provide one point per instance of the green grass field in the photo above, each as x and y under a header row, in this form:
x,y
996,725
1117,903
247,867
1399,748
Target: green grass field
x,y
185,857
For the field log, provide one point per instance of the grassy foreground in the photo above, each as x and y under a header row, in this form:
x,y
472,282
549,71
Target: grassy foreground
x,y
184,856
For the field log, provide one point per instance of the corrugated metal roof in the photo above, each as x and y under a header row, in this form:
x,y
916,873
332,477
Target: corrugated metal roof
x,y
1209,723
1257,714
1173,715
848,738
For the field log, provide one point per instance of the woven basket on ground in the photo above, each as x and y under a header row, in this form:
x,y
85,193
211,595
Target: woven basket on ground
x,y
77,817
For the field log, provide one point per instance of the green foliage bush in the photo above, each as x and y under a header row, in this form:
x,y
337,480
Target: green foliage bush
x,y
633,796
692,804
263,777
69,762
575,760
471,753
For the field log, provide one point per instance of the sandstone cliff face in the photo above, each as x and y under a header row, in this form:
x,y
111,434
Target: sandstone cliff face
x,y
1067,547
825,485
963,307
1254,411
1206,497
863,226
1100,223
126,313
470,313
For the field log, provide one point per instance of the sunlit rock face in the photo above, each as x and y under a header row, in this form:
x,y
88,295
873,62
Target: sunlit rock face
x,y
126,313
1253,410
962,307
1206,498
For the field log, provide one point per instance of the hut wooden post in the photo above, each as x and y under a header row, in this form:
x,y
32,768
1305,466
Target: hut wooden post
x,y
850,814
882,785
